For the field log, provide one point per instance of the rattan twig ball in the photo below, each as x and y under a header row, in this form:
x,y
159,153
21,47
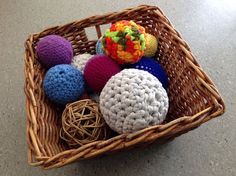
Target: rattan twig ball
x,y
82,123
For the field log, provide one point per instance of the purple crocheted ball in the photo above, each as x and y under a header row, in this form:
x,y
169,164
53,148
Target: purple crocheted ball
x,y
53,50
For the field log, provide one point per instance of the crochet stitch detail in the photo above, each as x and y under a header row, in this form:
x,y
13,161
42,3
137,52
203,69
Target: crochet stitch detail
x,y
132,100
80,61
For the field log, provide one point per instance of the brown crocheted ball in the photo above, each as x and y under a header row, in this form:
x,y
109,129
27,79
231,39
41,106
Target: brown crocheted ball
x,y
82,123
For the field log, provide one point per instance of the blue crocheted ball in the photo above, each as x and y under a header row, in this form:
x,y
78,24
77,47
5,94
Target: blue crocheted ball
x,y
152,66
63,84
99,49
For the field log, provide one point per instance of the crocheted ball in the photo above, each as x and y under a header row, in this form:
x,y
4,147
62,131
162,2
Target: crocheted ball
x,y
94,97
124,42
98,70
99,49
151,45
152,66
84,96
132,100
63,84
80,61
53,50
82,123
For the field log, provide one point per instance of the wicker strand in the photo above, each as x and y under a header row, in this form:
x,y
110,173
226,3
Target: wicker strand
x,y
82,123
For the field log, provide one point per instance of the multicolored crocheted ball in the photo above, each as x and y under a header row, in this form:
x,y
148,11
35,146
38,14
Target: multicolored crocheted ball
x,y
152,66
63,84
133,100
99,49
53,50
124,42
98,70
80,61
151,45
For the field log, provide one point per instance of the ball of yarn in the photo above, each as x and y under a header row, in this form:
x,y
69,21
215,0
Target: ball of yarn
x,y
151,45
132,100
94,97
124,42
153,67
84,96
99,49
80,61
82,123
53,50
63,84
98,70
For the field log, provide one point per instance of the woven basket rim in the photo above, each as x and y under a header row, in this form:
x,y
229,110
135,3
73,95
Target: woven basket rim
x,y
179,125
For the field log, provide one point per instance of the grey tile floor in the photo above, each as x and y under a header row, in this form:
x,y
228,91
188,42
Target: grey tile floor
x,y
209,26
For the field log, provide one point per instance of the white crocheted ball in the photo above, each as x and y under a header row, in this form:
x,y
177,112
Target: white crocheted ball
x,y
132,100
80,61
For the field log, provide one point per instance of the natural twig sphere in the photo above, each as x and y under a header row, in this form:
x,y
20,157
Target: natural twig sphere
x,y
82,123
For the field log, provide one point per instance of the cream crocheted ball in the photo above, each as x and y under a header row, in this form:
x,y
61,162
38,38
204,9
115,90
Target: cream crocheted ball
x,y
132,100
80,61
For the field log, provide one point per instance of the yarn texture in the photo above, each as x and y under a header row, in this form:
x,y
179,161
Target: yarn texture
x,y
80,61
99,48
95,97
98,70
53,50
151,45
152,66
63,84
132,100
124,42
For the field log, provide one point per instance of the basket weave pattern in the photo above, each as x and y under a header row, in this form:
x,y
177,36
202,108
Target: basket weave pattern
x,y
192,95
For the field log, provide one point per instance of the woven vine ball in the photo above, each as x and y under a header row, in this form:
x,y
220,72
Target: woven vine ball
x,y
133,100
82,123
124,41
54,50
98,70
80,61
152,66
151,45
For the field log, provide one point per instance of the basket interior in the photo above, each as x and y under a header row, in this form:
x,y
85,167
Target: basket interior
x,y
186,95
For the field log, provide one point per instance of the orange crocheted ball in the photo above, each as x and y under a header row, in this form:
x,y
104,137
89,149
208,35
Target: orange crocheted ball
x,y
125,42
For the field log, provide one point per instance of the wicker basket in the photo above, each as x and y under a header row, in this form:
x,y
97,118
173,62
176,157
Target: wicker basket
x,y
193,97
